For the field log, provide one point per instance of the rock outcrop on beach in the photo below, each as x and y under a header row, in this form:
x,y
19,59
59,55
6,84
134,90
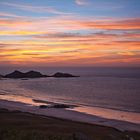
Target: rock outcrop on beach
x,y
55,106
30,74
59,75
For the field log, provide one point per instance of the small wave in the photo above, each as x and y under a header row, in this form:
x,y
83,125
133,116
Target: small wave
x,y
4,91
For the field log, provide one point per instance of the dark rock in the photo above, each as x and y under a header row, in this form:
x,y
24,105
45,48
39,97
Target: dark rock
x,y
24,79
1,76
15,74
54,106
30,74
33,74
43,106
59,75
60,106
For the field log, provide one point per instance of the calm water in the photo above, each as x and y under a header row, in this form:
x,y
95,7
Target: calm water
x,y
116,89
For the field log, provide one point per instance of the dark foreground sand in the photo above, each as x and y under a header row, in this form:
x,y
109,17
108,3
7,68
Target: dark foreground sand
x,y
16,125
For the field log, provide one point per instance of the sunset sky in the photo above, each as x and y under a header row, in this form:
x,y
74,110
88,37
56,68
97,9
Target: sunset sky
x,y
69,32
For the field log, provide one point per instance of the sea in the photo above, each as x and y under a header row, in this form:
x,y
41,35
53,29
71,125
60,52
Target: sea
x,y
112,93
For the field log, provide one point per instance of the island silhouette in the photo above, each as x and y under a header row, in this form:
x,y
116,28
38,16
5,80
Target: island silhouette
x,y
35,74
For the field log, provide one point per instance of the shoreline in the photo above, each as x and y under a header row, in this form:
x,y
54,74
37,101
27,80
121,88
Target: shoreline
x,y
100,112
71,115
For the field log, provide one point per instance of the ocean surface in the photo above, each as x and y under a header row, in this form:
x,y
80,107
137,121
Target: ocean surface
x,y
98,91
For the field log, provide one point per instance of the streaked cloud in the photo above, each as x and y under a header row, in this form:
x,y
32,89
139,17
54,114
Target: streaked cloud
x,y
36,9
10,15
82,2
46,35
63,23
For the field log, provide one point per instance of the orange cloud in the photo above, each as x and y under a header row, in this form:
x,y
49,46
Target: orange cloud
x,y
69,23
13,22
48,41
113,24
74,55
22,32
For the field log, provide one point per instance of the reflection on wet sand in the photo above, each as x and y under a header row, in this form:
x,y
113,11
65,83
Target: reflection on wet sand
x,y
110,114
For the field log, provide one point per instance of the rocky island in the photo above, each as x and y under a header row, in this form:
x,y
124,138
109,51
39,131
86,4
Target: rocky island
x,y
1,76
35,74
30,74
59,75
